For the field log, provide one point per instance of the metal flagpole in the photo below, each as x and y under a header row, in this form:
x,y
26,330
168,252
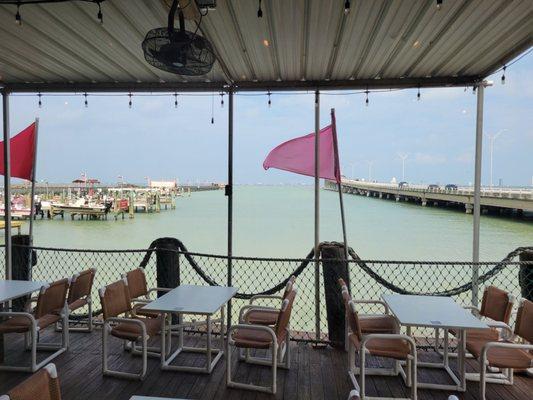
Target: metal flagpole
x,y
339,186
477,192
7,184
317,215
32,200
229,193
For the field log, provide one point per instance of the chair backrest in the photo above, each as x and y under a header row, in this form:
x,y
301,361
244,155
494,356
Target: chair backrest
x,y
42,385
524,321
137,283
353,320
496,304
289,286
81,285
284,315
51,298
115,299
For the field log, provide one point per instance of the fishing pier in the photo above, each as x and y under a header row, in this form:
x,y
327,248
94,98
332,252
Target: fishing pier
x,y
498,200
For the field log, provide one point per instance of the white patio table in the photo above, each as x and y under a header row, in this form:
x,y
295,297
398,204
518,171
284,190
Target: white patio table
x,y
436,312
196,300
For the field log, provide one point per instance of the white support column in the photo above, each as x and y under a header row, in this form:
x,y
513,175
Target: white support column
x,y
317,215
229,193
477,190
7,184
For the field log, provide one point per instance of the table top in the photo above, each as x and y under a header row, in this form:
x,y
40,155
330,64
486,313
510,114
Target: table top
x,y
431,311
11,289
189,299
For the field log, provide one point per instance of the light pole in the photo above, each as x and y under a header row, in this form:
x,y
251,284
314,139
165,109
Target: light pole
x,y
403,157
492,138
370,163
352,164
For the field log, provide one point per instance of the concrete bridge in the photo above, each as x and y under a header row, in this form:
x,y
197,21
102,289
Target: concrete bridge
x,y
492,199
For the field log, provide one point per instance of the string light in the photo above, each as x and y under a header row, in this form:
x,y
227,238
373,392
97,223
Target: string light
x,y
100,15
269,100
346,6
175,100
503,75
222,100
366,100
439,4
18,18
474,89
259,11
86,102
130,102
212,108
39,95
418,94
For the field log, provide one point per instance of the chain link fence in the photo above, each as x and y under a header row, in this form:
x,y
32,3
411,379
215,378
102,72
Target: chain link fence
x,y
369,279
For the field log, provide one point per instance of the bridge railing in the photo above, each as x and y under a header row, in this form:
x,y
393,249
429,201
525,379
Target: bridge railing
x,y
369,279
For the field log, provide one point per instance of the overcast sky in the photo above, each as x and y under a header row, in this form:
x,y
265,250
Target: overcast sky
x,y
156,140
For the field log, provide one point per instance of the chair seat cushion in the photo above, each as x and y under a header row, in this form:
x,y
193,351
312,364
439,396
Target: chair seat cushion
x,y
396,348
132,331
377,324
501,357
137,309
254,339
77,304
489,334
21,324
262,317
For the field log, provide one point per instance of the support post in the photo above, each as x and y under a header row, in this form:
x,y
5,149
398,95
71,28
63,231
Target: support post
x,y
7,184
229,194
317,215
477,192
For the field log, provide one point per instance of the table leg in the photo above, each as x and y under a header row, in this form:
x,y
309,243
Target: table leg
x,y
208,363
1,338
446,359
222,329
163,338
461,359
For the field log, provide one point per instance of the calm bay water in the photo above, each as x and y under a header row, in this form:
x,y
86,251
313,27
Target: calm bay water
x,y
278,222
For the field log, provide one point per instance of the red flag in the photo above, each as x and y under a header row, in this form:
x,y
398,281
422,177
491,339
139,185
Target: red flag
x,y
22,148
298,155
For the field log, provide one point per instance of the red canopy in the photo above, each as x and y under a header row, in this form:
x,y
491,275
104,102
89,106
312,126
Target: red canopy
x,y
22,148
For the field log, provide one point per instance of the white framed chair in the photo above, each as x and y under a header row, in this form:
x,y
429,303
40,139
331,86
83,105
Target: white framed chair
x,y
79,296
277,339
50,308
43,384
120,323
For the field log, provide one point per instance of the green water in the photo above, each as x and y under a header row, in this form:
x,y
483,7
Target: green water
x,y
278,222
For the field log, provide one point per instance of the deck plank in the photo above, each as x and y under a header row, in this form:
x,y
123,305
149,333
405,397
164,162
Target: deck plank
x,y
315,374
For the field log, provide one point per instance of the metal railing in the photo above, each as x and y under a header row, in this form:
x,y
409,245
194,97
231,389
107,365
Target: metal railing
x,y
369,279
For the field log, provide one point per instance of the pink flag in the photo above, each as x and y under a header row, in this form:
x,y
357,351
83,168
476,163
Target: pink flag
x,y
298,155
22,148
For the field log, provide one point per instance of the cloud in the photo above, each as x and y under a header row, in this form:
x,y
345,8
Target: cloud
x,y
430,159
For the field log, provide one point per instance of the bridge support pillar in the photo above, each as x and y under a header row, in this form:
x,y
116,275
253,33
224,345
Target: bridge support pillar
x,y
397,198
424,202
380,195
367,194
469,208
436,203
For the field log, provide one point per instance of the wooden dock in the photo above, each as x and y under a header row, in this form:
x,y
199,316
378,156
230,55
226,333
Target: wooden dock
x,y
315,374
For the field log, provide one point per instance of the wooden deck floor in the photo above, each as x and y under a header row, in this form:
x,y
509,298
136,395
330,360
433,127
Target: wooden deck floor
x,y
316,374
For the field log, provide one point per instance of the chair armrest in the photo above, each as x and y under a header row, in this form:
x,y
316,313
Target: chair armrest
x,y
29,316
249,327
504,345
474,309
128,320
501,325
380,302
265,297
249,307
397,336
159,289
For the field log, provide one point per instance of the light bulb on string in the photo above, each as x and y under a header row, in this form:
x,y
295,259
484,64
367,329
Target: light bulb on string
x,y
366,100
18,18
259,11
221,100
40,103
175,100
86,102
503,75
130,103
418,94
346,6
439,4
212,108
269,100
100,15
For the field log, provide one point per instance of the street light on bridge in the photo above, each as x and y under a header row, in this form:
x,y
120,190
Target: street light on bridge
x,y
492,138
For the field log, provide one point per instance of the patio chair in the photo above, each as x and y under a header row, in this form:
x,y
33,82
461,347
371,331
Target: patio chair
x,y
495,311
116,301
50,308
276,339
140,293
395,346
264,315
43,385
79,296
370,323
504,354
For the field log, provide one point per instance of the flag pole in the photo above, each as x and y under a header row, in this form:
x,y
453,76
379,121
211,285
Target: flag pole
x,y
317,215
33,175
339,186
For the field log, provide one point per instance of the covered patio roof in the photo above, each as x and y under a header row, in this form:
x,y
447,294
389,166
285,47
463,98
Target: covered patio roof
x,y
300,44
